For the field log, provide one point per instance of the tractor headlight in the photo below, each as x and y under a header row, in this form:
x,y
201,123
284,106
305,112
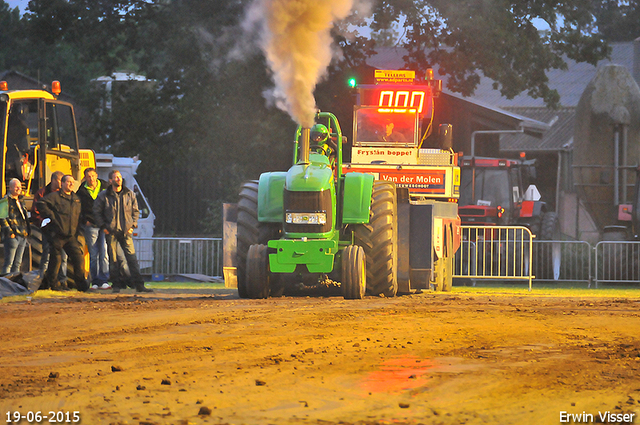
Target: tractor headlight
x,y
306,218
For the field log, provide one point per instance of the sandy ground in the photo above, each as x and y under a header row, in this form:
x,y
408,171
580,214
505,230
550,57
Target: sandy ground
x,y
186,358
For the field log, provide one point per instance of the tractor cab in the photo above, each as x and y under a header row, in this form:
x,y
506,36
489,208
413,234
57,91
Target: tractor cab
x,y
389,129
324,137
497,191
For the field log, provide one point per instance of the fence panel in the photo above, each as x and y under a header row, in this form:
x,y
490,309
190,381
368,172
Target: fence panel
x,y
183,255
492,253
496,252
562,261
617,262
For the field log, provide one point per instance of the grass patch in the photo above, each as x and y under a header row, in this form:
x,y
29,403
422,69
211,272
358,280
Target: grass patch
x,y
560,289
543,289
185,285
49,294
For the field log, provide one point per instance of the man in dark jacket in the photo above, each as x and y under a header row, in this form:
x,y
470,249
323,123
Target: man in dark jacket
x,y
63,209
93,236
116,212
15,228
37,218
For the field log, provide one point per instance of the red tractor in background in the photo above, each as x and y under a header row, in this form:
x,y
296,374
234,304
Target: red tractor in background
x,y
498,192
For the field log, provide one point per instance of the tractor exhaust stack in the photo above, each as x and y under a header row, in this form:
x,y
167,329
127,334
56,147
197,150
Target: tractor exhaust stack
x,y
304,146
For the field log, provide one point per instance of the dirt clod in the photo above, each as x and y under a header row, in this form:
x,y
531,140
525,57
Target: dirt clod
x,y
204,411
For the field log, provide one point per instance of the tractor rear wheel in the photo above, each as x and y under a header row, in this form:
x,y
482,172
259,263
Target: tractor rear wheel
x,y
354,274
550,227
379,238
257,283
250,231
548,259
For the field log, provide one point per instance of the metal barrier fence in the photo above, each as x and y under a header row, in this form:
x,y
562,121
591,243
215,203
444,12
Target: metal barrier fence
x,y
617,262
548,261
490,253
180,255
500,252
562,261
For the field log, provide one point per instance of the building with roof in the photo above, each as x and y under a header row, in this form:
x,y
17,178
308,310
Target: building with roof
x,y
19,81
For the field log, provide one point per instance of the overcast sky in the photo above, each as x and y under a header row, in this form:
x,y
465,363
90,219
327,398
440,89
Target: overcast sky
x,y
22,4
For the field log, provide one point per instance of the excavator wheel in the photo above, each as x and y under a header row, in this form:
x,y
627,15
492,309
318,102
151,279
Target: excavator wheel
x,y
257,272
35,240
379,239
250,230
354,274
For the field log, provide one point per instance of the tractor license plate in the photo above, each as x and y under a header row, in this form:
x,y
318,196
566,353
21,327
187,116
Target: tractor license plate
x,y
306,218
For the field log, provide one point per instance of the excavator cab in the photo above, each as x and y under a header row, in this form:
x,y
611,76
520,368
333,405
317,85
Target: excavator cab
x,y
39,137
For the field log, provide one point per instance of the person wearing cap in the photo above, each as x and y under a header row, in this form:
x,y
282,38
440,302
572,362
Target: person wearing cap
x,y
390,135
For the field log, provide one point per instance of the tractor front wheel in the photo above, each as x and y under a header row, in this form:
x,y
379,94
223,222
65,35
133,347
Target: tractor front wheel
x,y
250,231
379,238
354,274
258,276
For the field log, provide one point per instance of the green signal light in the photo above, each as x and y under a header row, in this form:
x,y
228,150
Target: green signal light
x,y
352,82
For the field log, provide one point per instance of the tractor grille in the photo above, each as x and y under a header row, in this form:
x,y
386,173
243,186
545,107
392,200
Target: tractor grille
x,y
308,202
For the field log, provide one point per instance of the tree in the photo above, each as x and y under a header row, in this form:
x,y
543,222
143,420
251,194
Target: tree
x,y
10,35
618,20
201,121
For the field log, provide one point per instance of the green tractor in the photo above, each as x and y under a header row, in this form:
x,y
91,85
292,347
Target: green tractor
x,y
314,222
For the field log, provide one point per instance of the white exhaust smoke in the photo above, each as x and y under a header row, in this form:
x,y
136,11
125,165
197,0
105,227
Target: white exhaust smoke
x,y
296,40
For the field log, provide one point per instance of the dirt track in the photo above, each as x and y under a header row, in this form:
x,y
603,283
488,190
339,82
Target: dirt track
x,y
429,358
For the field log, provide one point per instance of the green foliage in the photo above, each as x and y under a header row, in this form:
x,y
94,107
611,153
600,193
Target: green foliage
x,y
496,38
10,34
386,37
618,21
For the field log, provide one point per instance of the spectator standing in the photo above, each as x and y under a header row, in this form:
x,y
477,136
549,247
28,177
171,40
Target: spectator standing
x,y
15,228
93,236
116,212
37,218
63,209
